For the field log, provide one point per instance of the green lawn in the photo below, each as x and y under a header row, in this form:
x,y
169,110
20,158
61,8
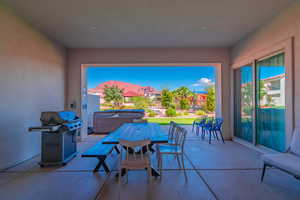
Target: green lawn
x,y
165,121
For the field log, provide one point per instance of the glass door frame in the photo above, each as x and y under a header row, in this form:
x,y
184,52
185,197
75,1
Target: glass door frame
x,y
237,82
285,47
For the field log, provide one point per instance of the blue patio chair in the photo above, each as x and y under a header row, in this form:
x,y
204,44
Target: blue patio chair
x,y
207,128
213,127
217,127
195,123
201,124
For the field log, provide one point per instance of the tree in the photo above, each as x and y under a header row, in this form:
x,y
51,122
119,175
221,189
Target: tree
x,y
167,98
211,99
262,89
184,96
247,98
113,95
184,104
141,102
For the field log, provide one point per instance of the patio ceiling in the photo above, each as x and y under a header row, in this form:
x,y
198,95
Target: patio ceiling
x,y
146,23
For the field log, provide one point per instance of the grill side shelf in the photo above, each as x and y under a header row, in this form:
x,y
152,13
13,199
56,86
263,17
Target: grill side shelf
x,y
44,128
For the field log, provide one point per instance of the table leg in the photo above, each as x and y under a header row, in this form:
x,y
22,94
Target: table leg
x,y
154,172
101,163
117,149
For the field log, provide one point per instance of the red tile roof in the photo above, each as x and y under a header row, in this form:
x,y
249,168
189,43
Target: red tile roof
x,y
129,89
131,94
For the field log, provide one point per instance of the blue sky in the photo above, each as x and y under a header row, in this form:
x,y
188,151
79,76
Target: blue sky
x,y
264,72
267,72
196,78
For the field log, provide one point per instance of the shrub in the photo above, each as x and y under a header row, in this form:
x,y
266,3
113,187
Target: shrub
x,y
172,105
179,114
186,113
141,102
128,107
201,112
171,112
151,113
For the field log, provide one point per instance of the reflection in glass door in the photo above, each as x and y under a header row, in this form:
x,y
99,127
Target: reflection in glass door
x,y
270,97
244,103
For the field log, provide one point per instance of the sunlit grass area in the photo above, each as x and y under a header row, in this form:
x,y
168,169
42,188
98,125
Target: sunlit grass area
x,y
166,121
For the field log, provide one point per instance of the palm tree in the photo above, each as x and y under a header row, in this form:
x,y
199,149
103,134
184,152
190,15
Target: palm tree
x,y
183,95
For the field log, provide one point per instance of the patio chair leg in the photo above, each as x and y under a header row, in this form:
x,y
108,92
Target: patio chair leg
x,y
193,127
222,136
209,137
177,157
157,157
149,172
216,135
120,175
203,133
263,172
182,162
160,165
197,130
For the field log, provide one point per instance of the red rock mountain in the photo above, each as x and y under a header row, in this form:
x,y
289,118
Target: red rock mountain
x,y
129,89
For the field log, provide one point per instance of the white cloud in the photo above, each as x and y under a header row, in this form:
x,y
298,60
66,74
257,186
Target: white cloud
x,y
203,82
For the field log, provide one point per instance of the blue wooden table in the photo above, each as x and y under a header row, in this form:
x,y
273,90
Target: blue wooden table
x,y
137,131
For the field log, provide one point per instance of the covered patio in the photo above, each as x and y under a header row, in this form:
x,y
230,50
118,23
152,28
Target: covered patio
x,y
217,171
254,46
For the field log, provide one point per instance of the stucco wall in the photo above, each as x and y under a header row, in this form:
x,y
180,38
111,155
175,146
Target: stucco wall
x,y
281,27
31,80
76,57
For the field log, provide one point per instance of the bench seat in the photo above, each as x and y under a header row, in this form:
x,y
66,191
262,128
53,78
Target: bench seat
x,y
100,151
284,161
289,161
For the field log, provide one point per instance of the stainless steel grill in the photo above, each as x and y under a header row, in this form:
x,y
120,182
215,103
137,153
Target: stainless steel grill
x,y
59,130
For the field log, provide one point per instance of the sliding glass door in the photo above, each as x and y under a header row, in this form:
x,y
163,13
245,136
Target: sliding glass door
x,y
244,103
270,98
260,103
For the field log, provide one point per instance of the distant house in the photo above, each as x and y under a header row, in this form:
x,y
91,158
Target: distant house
x,y
129,90
129,94
150,92
274,87
201,98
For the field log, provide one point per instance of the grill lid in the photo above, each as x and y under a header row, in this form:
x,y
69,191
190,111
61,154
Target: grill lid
x,y
55,118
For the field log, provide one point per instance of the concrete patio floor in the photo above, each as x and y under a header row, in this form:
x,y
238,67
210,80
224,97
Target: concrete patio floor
x,y
216,171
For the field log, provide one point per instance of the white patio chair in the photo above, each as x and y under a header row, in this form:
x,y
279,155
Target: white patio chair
x,y
172,132
289,161
176,149
137,156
